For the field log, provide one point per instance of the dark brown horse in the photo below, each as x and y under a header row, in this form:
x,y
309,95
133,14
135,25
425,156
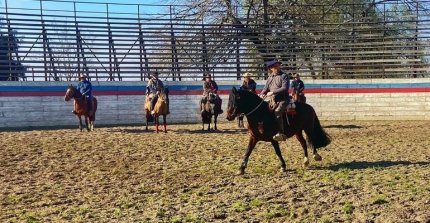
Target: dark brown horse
x,y
161,108
80,106
212,107
262,125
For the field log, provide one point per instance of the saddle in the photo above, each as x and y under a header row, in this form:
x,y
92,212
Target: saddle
x,y
290,110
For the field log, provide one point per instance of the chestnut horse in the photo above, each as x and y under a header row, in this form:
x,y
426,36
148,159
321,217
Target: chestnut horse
x,y
161,108
80,106
262,125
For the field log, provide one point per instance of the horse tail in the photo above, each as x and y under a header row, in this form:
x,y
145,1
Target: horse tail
x,y
93,115
318,137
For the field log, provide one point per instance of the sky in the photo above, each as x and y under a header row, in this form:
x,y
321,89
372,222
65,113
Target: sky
x,y
147,6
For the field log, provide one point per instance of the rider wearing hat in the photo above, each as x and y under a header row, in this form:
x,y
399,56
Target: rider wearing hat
x,y
297,85
86,89
209,86
248,83
153,89
277,86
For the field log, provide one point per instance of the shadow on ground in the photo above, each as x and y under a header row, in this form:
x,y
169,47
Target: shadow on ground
x,y
199,131
344,126
358,165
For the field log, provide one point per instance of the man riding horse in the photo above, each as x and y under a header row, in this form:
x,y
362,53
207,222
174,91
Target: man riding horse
x,y
298,87
153,89
209,87
276,90
248,83
86,89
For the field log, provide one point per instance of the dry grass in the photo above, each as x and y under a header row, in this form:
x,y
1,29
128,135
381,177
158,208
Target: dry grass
x,y
373,171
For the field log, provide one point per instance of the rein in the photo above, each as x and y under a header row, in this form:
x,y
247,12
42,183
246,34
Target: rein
x,y
255,109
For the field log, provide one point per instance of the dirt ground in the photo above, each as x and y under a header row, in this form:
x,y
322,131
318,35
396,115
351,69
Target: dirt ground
x,y
374,171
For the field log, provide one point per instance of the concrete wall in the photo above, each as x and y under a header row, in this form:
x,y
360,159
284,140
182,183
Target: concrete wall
x,y
26,104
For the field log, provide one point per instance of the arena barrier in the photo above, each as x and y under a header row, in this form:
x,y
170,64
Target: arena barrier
x,y
31,104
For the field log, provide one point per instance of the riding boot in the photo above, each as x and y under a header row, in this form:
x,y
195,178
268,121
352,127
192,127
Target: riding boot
x,y
280,136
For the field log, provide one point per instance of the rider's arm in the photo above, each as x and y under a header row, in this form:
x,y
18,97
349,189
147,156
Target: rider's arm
x,y
215,87
252,85
301,86
88,88
148,87
266,88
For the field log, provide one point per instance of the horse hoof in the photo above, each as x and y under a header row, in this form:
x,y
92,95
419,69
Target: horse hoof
x,y
240,172
283,170
317,157
305,162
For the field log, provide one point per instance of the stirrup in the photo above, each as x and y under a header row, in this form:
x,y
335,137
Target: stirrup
x,y
280,137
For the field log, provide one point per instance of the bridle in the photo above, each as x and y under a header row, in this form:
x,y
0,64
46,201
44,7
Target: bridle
x,y
249,113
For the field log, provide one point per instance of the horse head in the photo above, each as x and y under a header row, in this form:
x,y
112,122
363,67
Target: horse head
x,y
72,92
242,101
232,106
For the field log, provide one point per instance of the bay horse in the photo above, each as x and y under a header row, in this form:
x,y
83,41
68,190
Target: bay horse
x,y
161,108
212,107
80,106
262,125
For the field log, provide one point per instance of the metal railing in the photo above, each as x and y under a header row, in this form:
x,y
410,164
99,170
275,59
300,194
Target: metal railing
x,y
53,44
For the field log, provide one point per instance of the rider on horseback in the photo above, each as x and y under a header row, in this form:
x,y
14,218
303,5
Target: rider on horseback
x,y
277,86
86,90
210,86
298,86
153,89
248,83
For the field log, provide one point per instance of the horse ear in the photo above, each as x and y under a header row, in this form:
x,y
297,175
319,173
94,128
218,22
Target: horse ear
x,y
234,90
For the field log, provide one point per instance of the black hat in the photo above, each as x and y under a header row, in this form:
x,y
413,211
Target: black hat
x,y
270,63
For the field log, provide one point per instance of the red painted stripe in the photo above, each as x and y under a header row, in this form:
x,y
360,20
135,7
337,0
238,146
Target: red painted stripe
x,y
222,92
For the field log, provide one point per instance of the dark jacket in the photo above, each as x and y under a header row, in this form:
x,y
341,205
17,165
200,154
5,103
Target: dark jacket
x,y
249,85
154,85
86,88
210,86
298,86
279,85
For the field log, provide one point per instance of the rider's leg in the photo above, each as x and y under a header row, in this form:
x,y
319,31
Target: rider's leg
x,y
89,103
280,109
202,103
153,101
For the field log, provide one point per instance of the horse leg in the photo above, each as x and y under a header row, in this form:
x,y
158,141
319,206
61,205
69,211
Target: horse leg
x,y
156,120
251,145
210,121
299,136
275,145
316,156
215,120
80,122
164,123
87,123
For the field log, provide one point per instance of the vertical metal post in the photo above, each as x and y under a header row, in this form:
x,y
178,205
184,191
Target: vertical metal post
x,y
9,39
77,41
416,39
140,43
204,51
110,43
45,66
173,45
